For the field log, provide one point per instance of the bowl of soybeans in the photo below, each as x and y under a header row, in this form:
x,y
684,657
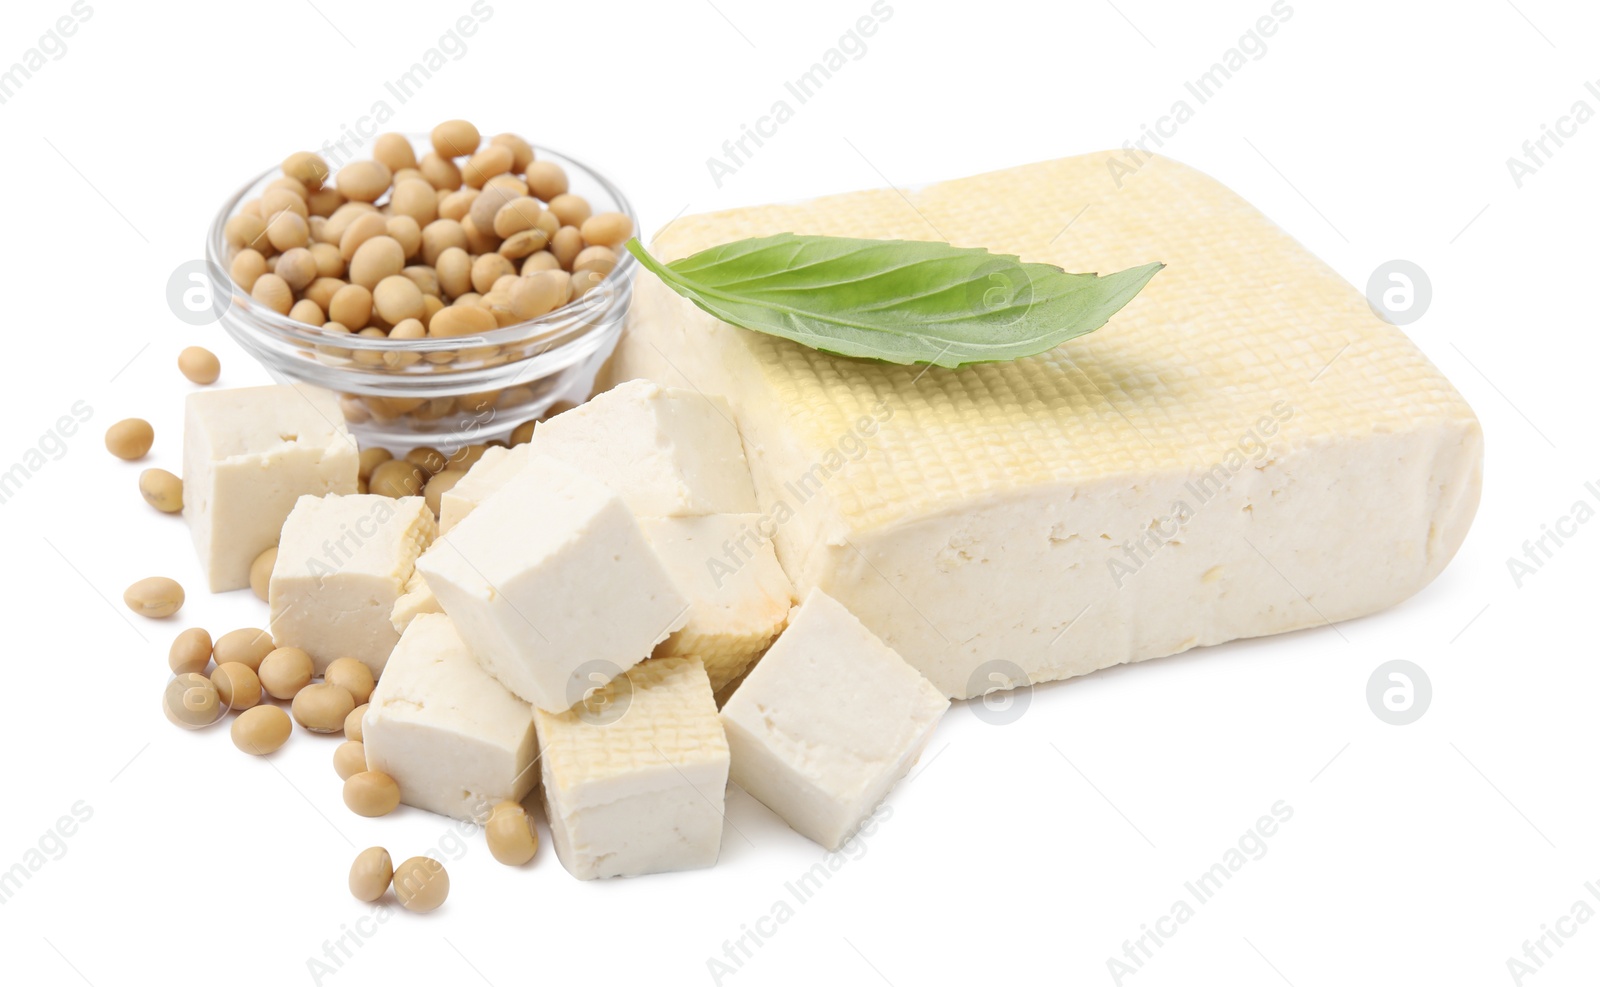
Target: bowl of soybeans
x,y
448,286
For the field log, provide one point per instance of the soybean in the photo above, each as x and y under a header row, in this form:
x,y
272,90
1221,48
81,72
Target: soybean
x,y
397,478
421,884
371,873
322,707
455,139
247,645
130,438
306,168
161,490
200,365
510,834
349,758
397,298
376,259
572,210
371,459
261,572
353,676
154,596
261,730
237,685
521,151
462,320
190,651
191,701
364,181
285,671
546,179
371,793
606,229
440,484
394,151
352,723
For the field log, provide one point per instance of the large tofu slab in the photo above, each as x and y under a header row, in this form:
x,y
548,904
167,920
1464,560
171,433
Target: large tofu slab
x,y
551,580
634,777
454,740
829,720
248,454
342,564
1245,449
669,452
739,597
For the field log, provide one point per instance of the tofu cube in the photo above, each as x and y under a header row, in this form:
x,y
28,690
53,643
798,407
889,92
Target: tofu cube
x,y
454,740
343,563
739,598
550,581
248,454
634,776
828,721
668,451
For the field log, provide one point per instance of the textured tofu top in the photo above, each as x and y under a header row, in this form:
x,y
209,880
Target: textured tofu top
x,y
1242,318
667,722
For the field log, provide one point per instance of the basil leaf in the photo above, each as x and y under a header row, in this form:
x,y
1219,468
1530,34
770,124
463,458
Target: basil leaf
x,y
902,301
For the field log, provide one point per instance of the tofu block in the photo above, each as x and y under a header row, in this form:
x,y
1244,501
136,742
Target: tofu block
x,y
418,599
343,563
1245,449
634,777
669,452
455,740
248,454
549,581
488,474
828,721
739,597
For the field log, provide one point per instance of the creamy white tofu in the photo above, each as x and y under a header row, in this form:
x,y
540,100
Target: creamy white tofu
x,y
550,580
497,465
668,451
343,563
454,740
248,454
417,599
1245,449
739,597
828,721
634,777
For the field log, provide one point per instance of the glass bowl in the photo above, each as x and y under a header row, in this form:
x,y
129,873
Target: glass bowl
x,y
439,392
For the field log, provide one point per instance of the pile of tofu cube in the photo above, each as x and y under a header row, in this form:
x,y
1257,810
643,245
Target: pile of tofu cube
x,y
572,621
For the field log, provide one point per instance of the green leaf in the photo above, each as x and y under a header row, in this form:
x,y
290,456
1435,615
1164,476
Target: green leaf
x,y
902,301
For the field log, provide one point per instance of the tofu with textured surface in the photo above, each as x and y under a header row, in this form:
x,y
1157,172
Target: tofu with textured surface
x,y
738,595
343,563
454,740
669,452
549,580
1245,449
634,777
248,454
829,720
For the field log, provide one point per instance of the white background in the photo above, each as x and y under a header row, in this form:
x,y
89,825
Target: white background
x,y
1026,853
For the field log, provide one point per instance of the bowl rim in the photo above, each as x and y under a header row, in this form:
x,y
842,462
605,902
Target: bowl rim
x,y
559,323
